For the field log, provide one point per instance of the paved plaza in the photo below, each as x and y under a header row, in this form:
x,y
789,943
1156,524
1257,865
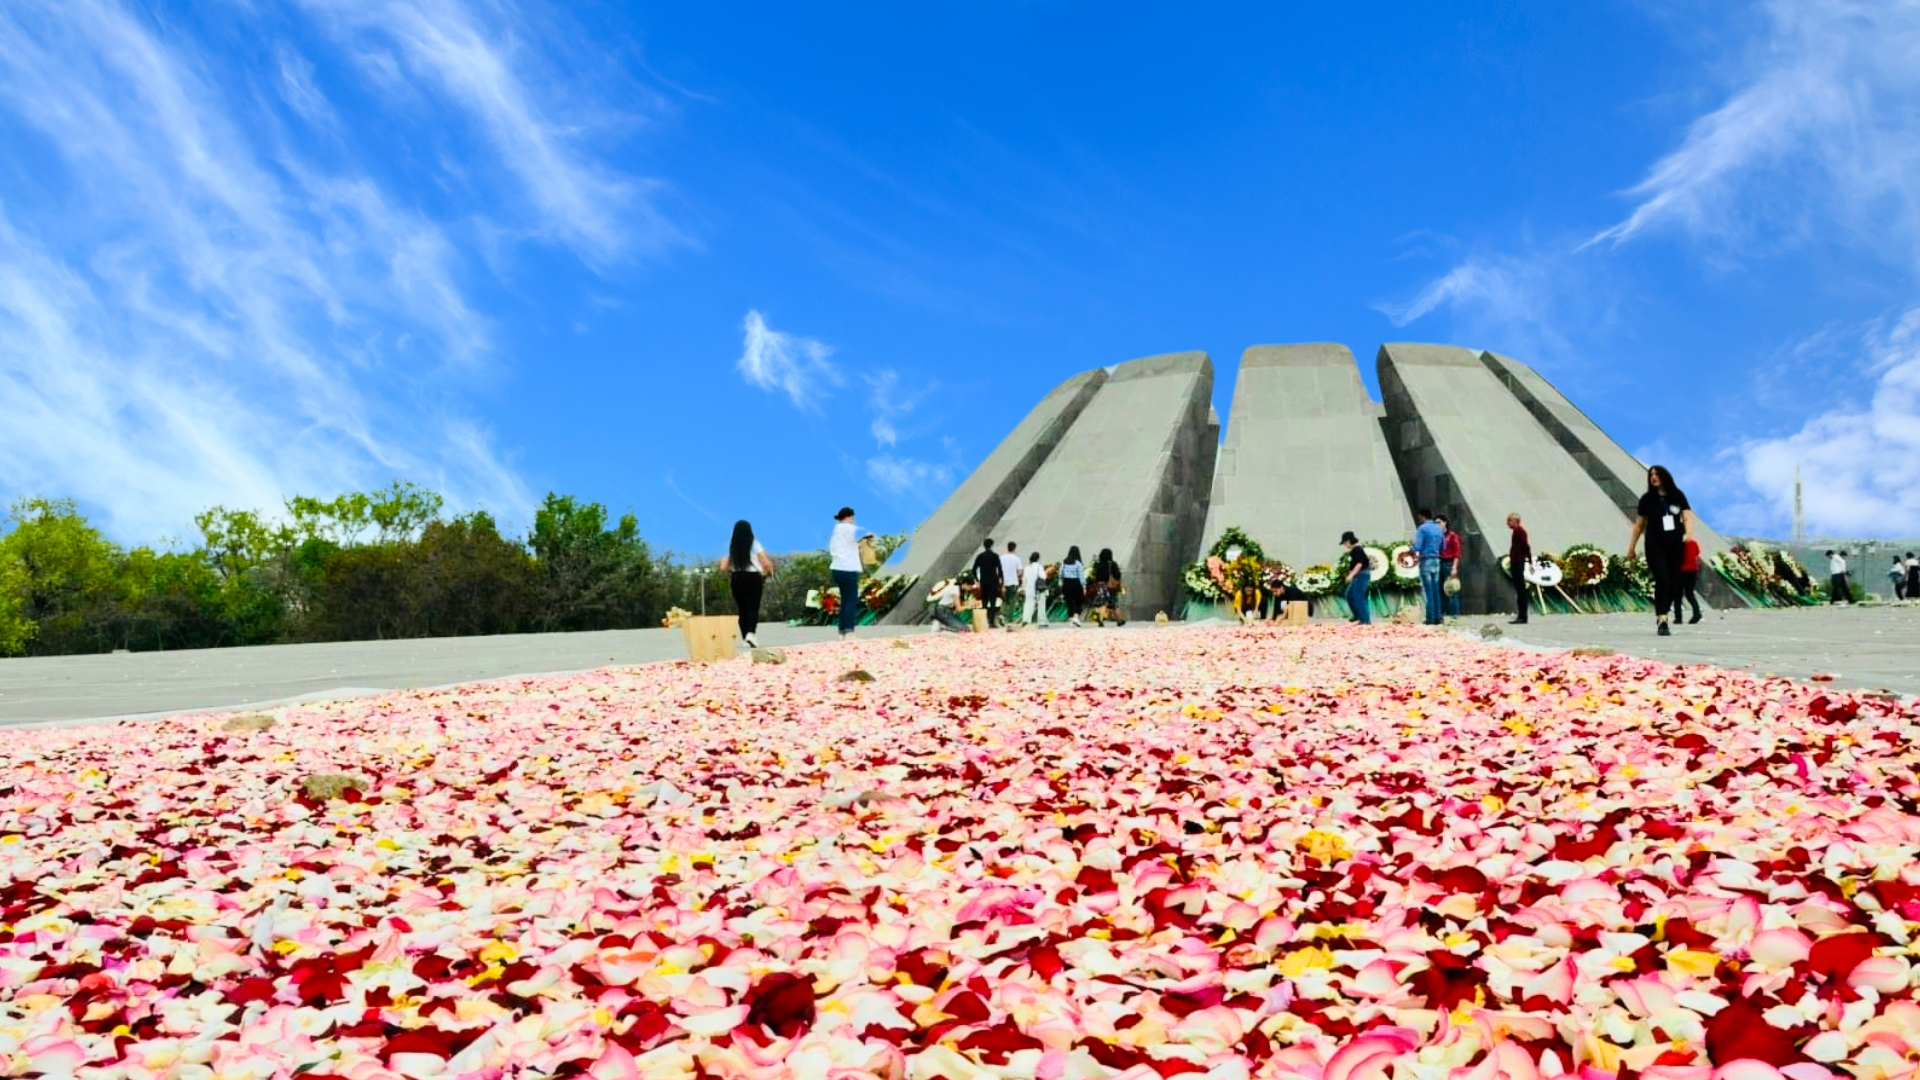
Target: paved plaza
x,y
57,688
1875,648
1871,647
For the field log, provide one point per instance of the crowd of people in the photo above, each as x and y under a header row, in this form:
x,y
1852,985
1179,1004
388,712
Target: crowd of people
x,y
1009,590
1664,519
1000,583
1005,588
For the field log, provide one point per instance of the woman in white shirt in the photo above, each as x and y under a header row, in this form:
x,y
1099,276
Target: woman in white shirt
x,y
844,548
747,566
1035,609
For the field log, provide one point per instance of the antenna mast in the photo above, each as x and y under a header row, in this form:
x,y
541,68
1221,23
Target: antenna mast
x,y
1799,521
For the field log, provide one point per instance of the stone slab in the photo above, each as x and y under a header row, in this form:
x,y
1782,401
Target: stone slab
x,y
1465,446
1132,474
1621,475
944,544
1305,458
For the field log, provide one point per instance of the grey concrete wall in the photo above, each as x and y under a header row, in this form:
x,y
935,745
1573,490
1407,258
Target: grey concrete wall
x,y
1305,458
944,544
1621,475
1465,446
1131,474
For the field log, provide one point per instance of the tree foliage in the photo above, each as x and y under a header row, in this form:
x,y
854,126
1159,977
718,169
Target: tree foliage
x,y
360,565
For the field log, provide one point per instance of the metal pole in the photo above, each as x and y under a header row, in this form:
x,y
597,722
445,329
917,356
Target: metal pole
x,y
703,590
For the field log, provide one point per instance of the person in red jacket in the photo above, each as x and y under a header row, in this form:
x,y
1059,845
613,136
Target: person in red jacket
x,y
1689,580
1449,569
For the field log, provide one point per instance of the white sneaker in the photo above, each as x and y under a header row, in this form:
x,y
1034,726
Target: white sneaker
x,y
753,642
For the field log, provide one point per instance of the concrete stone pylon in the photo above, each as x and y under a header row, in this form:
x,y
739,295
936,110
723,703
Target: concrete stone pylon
x,y
1621,475
1465,446
1132,474
945,543
1305,458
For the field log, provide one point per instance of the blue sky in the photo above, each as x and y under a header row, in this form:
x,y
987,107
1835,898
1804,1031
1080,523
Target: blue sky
x,y
702,261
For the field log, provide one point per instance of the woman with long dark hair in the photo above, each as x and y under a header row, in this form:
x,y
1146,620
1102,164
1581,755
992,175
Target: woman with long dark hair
x,y
1073,584
1666,518
747,565
1105,592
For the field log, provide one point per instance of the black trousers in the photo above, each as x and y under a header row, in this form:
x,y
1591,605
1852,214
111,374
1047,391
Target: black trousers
x,y
990,593
747,586
1665,567
1689,581
1517,574
1076,594
1837,589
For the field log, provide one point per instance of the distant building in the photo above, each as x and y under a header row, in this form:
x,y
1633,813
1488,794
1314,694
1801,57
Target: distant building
x,y
1130,458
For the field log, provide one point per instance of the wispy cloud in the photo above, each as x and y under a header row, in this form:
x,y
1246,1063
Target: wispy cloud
x,y
905,476
795,366
1510,303
688,499
1859,464
600,214
1822,118
191,311
891,402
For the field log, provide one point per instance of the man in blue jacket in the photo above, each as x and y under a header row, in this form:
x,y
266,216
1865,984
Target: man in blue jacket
x,y
1428,539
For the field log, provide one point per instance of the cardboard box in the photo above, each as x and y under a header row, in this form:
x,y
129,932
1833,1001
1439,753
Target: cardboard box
x,y
710,637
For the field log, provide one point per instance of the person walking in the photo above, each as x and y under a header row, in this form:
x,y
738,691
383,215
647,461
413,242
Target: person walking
x,y
843,548
1032,578
1010,571
1897,577
1107,588
1359,578
1666,518
1838,591
1519,554
1073,584
1689,580
990,574
1913,577
746,565
1449,569
1427,541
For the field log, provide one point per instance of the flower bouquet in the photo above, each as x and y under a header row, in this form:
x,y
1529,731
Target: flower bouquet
x,y
1377,564
1584,566
1316,581
1405,565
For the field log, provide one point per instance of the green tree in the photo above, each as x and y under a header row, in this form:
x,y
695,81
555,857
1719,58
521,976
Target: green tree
x,y
468,579
592,576
16,628
64,574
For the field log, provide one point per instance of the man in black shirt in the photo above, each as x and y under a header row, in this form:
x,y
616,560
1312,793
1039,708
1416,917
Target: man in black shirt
x,y
986,571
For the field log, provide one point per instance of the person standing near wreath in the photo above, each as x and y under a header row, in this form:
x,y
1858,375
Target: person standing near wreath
x,y
1449,568
990,574
1359,578
1106,588
747,566
1666,518
1519,554
1073,584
